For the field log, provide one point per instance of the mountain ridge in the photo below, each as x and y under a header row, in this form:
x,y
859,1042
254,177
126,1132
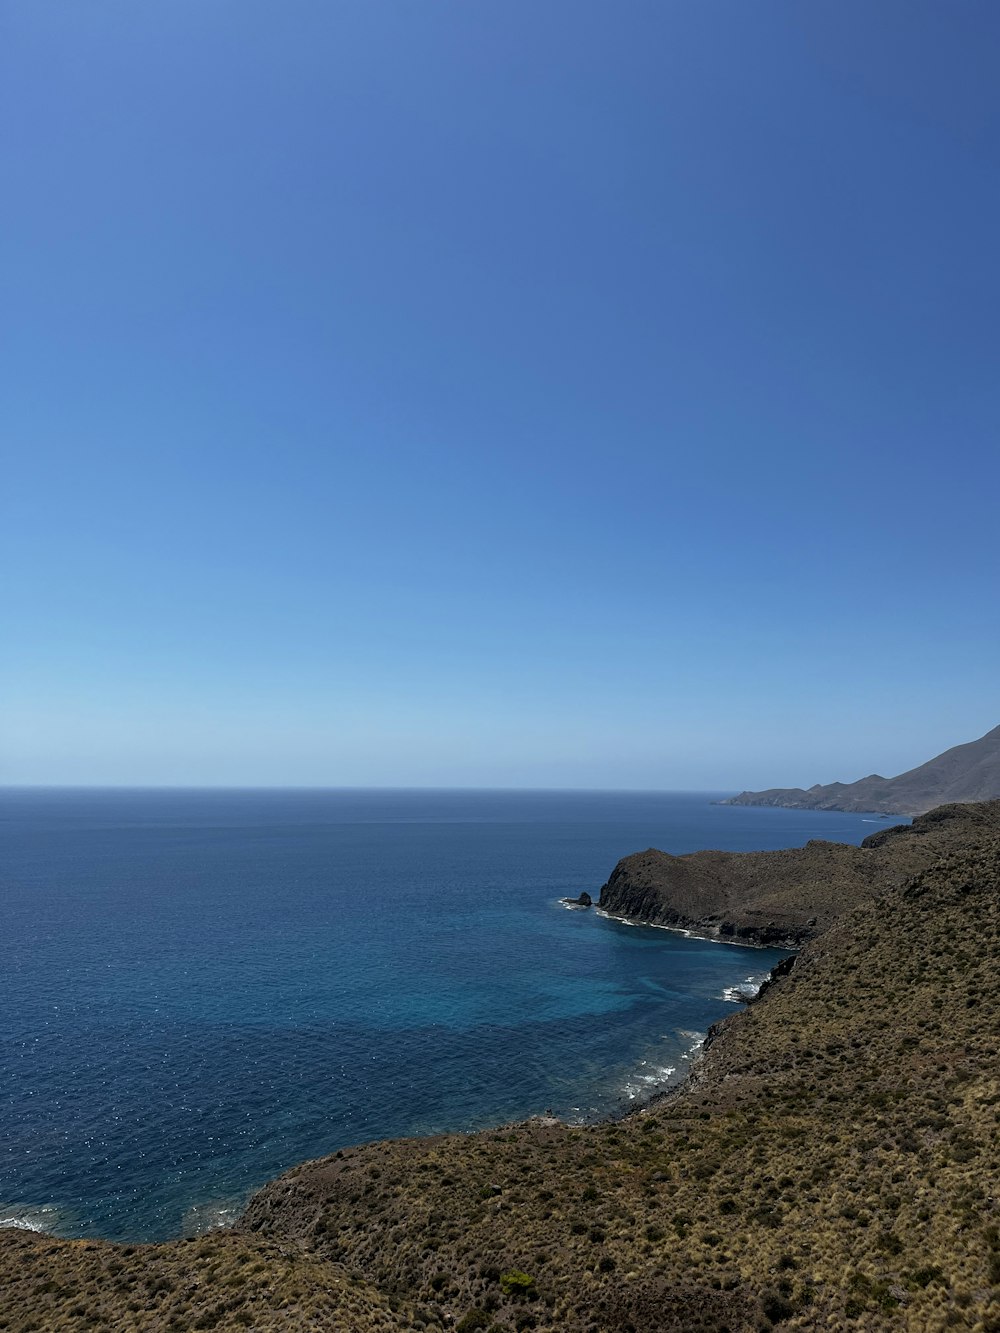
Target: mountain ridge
x,y
965,773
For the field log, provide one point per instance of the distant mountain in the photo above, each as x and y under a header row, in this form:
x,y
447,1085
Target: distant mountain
x,y
969,772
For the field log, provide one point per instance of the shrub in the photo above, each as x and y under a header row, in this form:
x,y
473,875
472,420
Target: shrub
x,y
474,1319
924,1276
777,1307
516,1283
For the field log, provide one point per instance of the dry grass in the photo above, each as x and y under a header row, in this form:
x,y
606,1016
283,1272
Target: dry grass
x,y
219,1281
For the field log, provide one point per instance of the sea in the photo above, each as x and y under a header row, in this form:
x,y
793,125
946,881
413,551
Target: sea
x,y
203,988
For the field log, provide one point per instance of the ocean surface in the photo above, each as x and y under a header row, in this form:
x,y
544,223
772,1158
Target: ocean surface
x,y
202,988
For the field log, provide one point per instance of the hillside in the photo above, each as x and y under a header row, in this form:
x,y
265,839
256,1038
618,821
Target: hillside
x,y
833,1164
969,772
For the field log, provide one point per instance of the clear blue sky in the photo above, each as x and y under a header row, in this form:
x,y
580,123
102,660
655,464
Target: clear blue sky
x,y
498,392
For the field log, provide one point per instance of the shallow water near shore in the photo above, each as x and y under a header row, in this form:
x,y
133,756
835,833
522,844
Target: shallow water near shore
x,y
203,988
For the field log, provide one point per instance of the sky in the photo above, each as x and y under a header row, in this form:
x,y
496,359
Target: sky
x,y
497,392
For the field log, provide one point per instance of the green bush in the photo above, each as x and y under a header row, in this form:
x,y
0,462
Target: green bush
x,y
516,1283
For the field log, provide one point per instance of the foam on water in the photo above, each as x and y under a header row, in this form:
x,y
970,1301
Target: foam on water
x,y
695,1040
744,990
211,1216
647,1080
30,1219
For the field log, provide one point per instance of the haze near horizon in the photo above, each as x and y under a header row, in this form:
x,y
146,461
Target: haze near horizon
x,y
569,395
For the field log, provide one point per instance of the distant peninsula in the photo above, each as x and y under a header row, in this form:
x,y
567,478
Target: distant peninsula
x,y
969,772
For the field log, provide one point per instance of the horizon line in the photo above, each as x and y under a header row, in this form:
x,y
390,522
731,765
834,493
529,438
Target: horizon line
x,y
318,787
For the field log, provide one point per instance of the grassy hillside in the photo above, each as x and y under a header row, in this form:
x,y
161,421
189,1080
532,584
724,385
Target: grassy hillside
x,y
835,1164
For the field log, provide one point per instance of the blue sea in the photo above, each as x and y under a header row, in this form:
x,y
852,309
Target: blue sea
x,y
202,988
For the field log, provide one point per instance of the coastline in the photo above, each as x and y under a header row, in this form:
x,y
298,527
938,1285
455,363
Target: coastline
x,y
309,1019
691,934
715,868
810,1170
674,1080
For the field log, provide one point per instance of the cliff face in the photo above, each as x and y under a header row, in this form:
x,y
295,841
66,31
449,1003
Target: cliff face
x,y
785,897
969,772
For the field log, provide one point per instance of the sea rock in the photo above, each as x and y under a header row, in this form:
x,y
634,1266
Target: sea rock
x,y
584,900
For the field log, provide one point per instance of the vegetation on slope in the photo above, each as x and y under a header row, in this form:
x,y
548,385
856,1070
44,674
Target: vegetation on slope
x,y
219,1281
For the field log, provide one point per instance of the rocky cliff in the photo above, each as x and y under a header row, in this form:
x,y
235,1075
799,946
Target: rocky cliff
x,y
969,772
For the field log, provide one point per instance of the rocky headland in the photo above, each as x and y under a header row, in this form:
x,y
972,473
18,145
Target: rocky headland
x,y
783,897
833,1162
969,772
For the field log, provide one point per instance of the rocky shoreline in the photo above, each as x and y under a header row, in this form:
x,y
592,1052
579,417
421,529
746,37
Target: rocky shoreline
x,y
710,937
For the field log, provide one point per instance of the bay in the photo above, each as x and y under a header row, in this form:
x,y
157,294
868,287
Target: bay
x,y
203,988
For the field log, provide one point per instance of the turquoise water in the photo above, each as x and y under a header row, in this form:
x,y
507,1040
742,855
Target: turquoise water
x,y
204,988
